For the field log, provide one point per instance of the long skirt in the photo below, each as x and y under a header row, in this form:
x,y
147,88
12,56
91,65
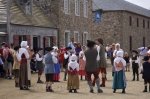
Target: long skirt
x,y
82,67
23,76
57,72
73,82
119,80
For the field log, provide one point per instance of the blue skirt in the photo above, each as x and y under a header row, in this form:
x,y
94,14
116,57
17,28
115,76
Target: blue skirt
x,y
119,80
57,68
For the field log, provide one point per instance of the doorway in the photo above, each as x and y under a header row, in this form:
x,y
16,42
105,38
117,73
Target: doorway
x,y
36,42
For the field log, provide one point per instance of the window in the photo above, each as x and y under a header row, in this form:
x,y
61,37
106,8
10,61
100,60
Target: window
x,y
143,23
77,7
98,16
85,38
67,37
148,24
85,9
76,36
66,6
130,42
130,20
22,38
137,22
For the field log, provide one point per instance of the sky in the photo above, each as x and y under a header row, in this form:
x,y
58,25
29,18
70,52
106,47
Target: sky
x,y
142,3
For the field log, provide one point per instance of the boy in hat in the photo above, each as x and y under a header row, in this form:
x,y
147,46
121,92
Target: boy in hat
x,y
146,72
49,69
67,55
135,65
73,78
39,64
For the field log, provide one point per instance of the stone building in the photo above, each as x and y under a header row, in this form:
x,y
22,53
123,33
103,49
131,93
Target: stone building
x,y
75,20
122,22
3,21
47,22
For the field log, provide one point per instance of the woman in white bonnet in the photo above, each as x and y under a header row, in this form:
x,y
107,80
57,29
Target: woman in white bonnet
x,y
23,56
73,78
119,80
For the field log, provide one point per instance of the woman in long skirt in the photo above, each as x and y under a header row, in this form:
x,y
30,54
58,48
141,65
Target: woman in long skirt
x,y
119,80
57,65
23,76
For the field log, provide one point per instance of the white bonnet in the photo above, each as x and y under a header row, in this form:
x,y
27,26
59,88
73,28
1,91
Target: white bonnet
x,y
73,57
24,44
55,47
119,53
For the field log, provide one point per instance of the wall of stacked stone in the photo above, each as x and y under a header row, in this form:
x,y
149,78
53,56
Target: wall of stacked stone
x,y
72,22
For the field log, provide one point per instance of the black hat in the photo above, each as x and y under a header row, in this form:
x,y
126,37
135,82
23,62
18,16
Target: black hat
x,y
90,44
68,48
135,51
3,43
38,49
146,58
49,49
16,48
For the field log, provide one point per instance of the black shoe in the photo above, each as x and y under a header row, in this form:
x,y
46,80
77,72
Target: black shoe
x,y
50,89
40,82
100,91
91,91
102,85
21,88
75,91
114,91
133,79
123,91
70,91
145,90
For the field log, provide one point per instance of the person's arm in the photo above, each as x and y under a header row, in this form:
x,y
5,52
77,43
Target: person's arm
x,y
38,57
55,60
27,54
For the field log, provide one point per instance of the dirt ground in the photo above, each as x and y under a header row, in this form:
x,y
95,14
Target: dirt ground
x,y
37,91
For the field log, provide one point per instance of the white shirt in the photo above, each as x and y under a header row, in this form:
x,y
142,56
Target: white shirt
x,y
23,51
38,57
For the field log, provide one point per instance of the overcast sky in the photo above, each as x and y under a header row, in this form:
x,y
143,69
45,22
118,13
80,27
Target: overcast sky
x,y
143,3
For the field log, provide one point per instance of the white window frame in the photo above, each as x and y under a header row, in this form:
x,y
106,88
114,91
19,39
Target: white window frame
x,y
66,31
85,39
77,7
66,6
85,8
76,40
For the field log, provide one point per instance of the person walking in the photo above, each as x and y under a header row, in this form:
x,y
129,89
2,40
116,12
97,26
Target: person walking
x,y
49,70
119,79
91,66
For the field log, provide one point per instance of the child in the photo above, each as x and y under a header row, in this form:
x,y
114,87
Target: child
x,y
67,54
135,65
49,69
119,80
73,78
82,62
146,72
127,59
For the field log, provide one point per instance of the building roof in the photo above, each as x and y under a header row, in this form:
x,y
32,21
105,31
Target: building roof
x,y
38,18
115,5
3,12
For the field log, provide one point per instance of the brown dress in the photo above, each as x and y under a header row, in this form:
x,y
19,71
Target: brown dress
x,y
23,78
73,79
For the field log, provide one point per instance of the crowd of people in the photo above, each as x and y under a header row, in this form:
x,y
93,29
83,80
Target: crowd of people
x,y
78,62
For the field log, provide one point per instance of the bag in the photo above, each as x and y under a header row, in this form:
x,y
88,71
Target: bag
x,y
10,57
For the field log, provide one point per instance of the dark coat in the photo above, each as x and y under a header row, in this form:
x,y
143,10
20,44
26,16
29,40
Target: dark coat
x,y
146,70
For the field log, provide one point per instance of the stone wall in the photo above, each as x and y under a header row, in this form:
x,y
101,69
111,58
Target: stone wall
x,y
73,23
115,27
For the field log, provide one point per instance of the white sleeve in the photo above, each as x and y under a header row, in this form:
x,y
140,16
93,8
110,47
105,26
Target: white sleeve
x,y
55,60
77,67
26,54
18,56
66,56
68,66
38,57
114,53
124,63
